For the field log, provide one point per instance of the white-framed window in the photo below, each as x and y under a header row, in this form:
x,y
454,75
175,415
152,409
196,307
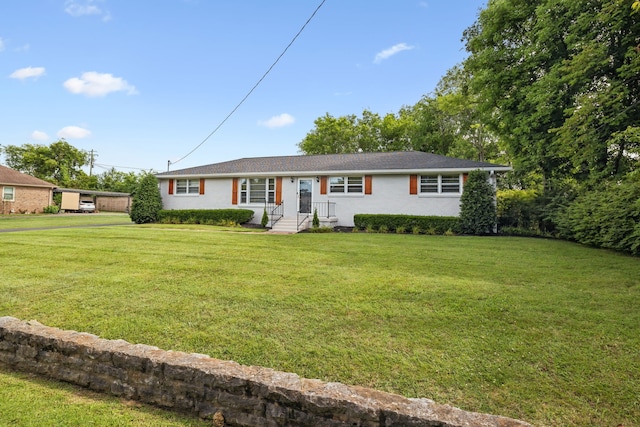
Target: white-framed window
x,y
8,194
440,184
346,185
257,190
187,186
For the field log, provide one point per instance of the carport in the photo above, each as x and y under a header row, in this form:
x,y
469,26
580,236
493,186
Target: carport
x,y
105,201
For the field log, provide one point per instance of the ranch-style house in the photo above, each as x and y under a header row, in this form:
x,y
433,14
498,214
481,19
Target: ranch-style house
x,y
337,186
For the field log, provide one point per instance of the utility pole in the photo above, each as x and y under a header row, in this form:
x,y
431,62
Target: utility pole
x,y
91,160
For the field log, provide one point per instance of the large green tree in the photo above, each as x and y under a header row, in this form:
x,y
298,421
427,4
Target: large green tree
x,y
59,163
351,134
464,120
558,82
118,181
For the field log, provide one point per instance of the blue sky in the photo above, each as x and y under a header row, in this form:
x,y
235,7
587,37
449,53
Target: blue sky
x,y
144,82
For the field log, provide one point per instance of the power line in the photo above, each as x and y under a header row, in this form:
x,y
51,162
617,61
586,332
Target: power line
x,y
107,167
169,163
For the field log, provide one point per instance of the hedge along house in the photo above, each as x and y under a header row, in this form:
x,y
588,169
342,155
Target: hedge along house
x,y
22,193
337,186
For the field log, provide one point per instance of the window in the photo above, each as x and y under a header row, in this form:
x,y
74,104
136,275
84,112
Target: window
x,y
8,194
257,190
438,184
345,184
187,186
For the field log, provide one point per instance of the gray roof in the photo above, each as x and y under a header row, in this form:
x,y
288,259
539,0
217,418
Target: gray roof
x,y
91,192
388,162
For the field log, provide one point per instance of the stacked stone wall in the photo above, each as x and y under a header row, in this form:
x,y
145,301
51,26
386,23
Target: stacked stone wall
x,y
228,393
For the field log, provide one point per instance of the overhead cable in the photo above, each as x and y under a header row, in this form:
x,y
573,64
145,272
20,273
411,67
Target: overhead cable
x,y
252,89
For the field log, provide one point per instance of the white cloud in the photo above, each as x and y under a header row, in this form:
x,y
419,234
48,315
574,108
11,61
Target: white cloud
x,y
94,84
1,44
274,122
38,135
73,132
86,7
28,72
387,53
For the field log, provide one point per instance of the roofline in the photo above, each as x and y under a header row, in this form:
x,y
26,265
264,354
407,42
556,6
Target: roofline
x,y
91,192
15,184
336,172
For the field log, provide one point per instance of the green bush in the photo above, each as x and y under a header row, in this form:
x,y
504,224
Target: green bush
x,y
53,209
477,205
415,223
518,209
147,202
323,229
607,217
316,220
265,219
206,216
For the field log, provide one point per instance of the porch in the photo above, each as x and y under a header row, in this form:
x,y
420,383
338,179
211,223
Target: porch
x,y
281,223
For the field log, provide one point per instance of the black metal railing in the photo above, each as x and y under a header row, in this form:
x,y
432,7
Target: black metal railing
x,y
302,217
325,209
275,212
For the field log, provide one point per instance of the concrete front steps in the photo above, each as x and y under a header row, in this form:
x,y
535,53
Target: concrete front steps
x,y
287,225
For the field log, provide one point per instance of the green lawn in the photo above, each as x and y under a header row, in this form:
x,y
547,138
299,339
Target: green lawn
x,y
545,331
8,222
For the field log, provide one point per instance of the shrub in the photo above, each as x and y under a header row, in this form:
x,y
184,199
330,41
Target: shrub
x,y
265,219
316,221
53,209
147,202
323,229
607,217
477,205
415,223
206,216
518,208
383,229
401,229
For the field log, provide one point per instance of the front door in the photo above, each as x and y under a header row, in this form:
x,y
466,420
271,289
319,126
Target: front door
x,y
305,187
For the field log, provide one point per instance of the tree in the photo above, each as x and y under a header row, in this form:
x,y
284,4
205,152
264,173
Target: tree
x,y
477,205
471,137
352,134
59,163
118,181
147,201
557,80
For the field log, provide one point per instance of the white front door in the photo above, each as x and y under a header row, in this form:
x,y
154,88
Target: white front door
x,y
305,192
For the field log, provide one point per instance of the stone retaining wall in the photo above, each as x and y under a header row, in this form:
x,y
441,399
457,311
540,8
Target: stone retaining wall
x,y
226,392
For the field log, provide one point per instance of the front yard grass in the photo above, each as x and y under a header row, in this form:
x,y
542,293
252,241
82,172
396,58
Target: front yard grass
x,y
10,222
545,331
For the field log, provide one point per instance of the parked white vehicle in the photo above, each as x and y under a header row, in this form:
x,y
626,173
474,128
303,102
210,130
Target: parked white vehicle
x,y
87,206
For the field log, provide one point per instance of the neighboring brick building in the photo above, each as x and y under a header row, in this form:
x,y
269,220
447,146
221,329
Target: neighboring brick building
x,y
22,193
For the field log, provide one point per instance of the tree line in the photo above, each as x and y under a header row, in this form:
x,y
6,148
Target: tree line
x,y
62,164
